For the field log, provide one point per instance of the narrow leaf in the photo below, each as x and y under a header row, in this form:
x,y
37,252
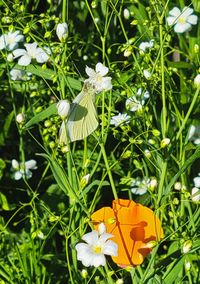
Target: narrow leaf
x,y
41,116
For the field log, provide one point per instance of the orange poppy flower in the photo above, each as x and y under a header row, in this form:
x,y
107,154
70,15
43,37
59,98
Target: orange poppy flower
x,y
133,226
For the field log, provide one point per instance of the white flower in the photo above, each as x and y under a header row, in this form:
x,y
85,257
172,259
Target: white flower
x,y
147,74
97,78
194,134
62,31
23,169
140,186
10,40
92,253
182,21
30,52
119,119
195,194
197,81
146,45
63,107
134,104
16,74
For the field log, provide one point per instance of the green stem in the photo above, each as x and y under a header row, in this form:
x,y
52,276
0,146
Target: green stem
x,y
188,113
64,10
108,171
164,109
161,184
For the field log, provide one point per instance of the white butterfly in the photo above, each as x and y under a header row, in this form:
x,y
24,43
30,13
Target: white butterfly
x,y
83,118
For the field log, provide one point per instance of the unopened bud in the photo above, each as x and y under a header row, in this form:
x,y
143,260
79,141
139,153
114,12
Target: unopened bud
x,y
187,265
151,244
128,51
187,246
196,48
62,31
126,13
84,181
63,108
84,273
165,142
177,185
20,118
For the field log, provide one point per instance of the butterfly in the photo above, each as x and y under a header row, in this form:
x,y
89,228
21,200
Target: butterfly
x,y
83,118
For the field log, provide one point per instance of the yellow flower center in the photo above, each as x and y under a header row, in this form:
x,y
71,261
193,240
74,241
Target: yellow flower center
x,y
97,249
182,20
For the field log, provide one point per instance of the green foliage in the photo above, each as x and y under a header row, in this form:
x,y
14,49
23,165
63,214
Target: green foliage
x,y
45,210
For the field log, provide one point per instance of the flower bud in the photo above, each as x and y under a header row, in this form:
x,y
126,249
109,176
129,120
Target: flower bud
x,y
84,181
153,184
128,51
197,81
120,281
63,108
187,246
187,265
20,118
196,48
146,74
178,185
147,153
126,13
84,273
165,142
62,31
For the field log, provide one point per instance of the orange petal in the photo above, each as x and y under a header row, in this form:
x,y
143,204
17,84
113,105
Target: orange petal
x,y
133,226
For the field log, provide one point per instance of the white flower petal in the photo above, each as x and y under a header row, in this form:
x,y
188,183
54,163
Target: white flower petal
x,y
25,60
191,131
17,175
196,181
19,52
89,71
195,194
41,56
192,19
15,164
186,12
175,12
181,28
101,228
91,238
171,20
31,165
101,69
98,260
111,248
104,237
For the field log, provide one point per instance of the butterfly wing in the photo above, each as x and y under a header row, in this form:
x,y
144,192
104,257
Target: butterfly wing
x,y
82,119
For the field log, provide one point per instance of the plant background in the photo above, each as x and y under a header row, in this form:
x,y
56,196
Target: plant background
x,y
44,217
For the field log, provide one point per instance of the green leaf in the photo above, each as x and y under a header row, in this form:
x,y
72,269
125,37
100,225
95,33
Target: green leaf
x,y
41,116
50,74
174,270
3,202
6,127
2,167
187,164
